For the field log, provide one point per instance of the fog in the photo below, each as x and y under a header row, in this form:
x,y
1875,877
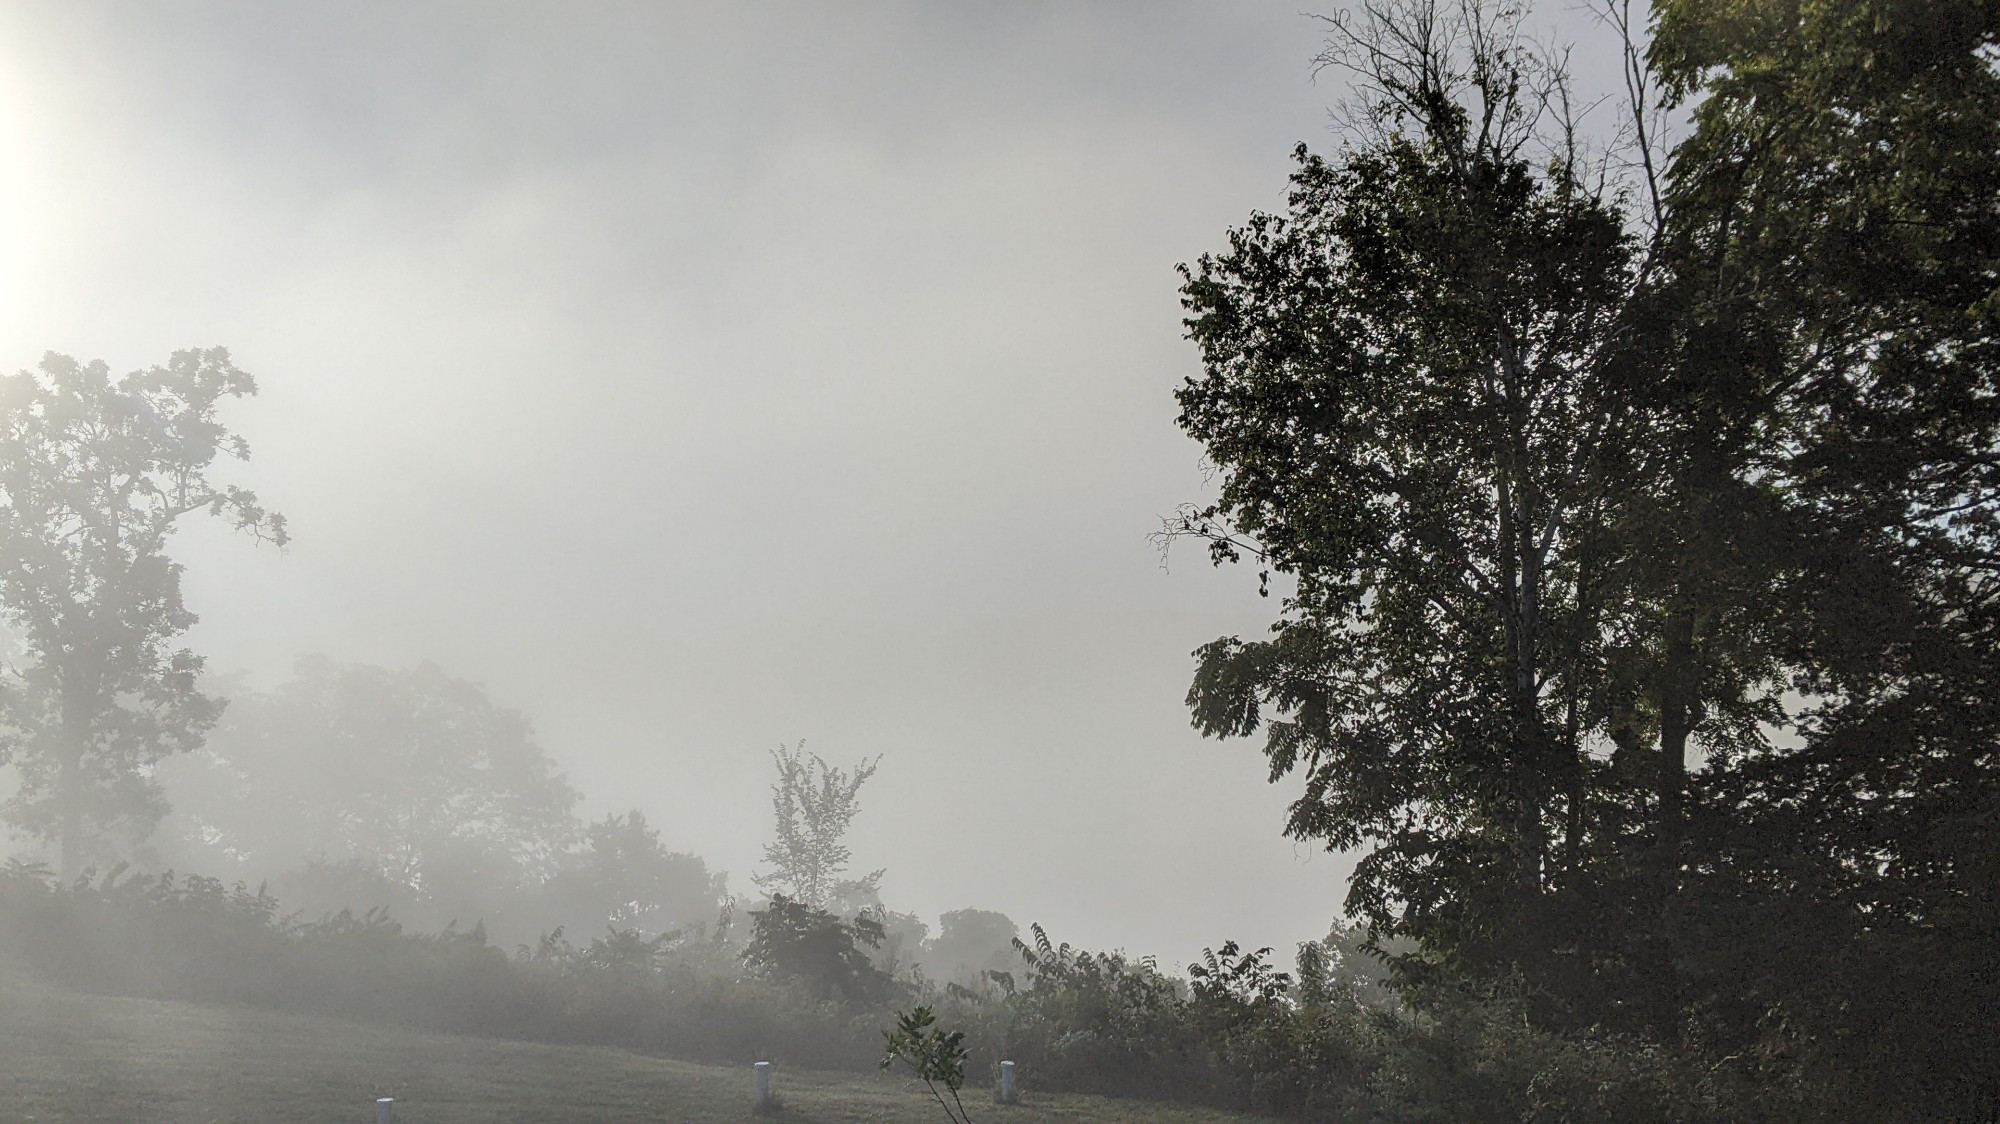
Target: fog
x,y
701,378
701,599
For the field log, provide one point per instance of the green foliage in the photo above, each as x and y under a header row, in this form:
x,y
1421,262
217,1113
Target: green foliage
x,y
813,803
792,941
681,994
1838,310
1238,980
1233,1035
935,1056
94,476
1407,391
1642,623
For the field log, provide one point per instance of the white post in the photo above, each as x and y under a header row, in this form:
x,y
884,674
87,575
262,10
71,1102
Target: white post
x,y
383,1106
763,1084
1006,1082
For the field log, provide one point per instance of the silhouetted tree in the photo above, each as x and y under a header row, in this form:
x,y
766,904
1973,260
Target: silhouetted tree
x,y
1410,392
95,474
790,940
1645,544
1833,337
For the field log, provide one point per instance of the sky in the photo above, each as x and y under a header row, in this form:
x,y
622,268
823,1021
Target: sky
x,y
706,377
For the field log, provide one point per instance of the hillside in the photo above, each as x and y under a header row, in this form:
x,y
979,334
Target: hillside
x,y
66,1056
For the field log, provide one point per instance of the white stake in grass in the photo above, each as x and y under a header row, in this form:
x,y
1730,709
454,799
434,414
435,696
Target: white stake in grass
x,y
763,1084
383,1109
1006,1082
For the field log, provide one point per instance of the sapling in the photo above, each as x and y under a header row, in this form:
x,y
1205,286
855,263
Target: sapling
x,y
935,1056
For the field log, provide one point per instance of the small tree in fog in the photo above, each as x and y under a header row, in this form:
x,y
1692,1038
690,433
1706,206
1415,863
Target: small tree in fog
x,y
95,474
813,803
935,1056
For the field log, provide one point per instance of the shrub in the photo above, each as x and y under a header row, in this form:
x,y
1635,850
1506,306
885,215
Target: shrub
x,y
1236,1033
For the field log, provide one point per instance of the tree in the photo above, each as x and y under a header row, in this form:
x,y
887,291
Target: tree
x,y
934,1055
969,944
413,775
1411,394
1835,248
622,876
95,475
791,940
1645,553
1350,967
813,803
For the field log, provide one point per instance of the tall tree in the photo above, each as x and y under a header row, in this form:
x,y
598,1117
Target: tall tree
x,y
1836,296
1409,393
812,804
95,474
1661,677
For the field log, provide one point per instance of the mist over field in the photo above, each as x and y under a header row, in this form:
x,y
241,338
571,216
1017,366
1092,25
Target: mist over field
x,y
1425,560
703,378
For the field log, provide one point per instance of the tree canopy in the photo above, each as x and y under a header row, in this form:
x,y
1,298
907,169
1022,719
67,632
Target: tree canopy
x,y
1640,526
95,474
812,804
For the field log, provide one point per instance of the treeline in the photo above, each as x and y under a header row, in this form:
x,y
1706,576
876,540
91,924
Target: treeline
x,y
352,786
1638,516
411,794
1333,1043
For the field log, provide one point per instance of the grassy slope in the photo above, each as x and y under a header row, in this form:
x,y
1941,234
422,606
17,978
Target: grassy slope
x,y
66,1056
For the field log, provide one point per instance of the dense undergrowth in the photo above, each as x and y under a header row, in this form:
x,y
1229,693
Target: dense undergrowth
x,y
1236,1033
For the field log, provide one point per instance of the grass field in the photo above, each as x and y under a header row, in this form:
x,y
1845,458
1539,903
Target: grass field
x,y
66,1056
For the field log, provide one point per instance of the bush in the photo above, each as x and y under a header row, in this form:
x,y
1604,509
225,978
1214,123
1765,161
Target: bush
x,y
1236,1033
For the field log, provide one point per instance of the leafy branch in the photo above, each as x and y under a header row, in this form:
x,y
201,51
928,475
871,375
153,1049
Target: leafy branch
x,y
935,1056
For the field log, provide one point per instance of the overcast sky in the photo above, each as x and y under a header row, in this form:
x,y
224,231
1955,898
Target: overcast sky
x,y
700,377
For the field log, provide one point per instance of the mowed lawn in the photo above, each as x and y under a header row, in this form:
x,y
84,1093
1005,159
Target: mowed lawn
x,y
69,1056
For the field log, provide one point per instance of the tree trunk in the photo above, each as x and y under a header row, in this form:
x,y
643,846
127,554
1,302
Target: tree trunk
x,y
71,783
1675,722
69,802
1573,807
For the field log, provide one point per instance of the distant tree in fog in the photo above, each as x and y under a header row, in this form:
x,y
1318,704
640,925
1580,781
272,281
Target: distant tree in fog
x,y
412,774
971,942
624,877
95,474
903,939
1352,966
813,803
